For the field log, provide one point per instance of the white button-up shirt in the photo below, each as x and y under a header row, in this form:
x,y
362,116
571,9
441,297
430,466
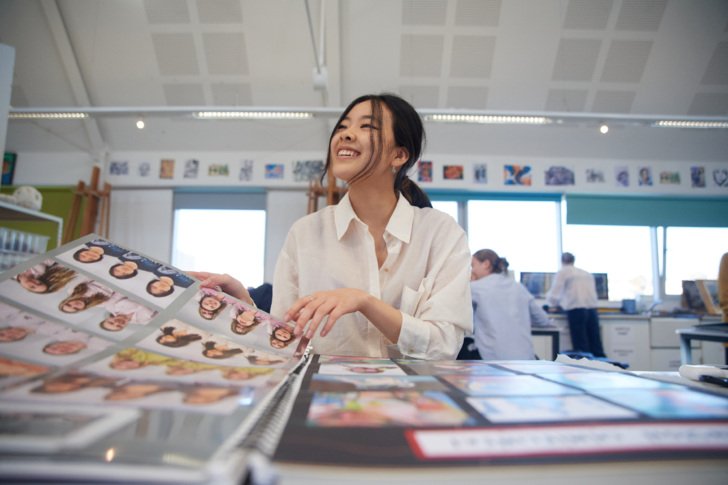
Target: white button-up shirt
x,y
573,288
426,275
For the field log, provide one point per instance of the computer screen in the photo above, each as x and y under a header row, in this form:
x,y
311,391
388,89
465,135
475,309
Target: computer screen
x,y
539,284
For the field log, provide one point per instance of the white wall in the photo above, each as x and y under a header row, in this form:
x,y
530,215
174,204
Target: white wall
x,y
284,207
7,64
142,220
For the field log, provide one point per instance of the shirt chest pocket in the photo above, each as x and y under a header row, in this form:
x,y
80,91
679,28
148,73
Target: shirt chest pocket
x,y
412,302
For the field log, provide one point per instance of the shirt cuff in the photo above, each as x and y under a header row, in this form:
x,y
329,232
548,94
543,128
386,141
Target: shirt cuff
x,y
413,337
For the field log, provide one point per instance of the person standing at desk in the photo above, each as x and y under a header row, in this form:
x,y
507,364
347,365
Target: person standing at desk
x,y
382,267
575,291
503,310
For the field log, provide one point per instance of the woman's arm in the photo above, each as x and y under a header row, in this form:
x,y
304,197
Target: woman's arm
x,y
223,282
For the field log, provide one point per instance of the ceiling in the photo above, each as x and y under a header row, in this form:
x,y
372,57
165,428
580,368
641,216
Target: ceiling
x,y
602,58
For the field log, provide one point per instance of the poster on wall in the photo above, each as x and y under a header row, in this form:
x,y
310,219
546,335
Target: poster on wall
x,y
192,169
9,160
245,174
697,177
218,170
595,176
117,167
645,177
307,170
668,177
516,174
621,176
559,175
274,171
720,177
480,173
452,172
424,171
166,168
145,168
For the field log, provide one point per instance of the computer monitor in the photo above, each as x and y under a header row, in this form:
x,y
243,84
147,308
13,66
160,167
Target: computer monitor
x,y
539,283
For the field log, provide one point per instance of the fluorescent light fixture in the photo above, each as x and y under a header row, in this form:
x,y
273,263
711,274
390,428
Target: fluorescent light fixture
x,y
489,119
253,115
48,116
604,128
691,124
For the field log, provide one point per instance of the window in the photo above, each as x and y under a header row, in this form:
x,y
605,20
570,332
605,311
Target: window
x,y
623,252
524,232
693,253
221,232
449,207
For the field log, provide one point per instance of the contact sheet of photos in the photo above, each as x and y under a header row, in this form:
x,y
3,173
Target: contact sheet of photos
x,y
95,337
413,413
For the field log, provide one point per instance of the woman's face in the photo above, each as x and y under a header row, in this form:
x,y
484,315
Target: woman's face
x,y
73,306
283,334
246,318
352,147
122,270
12,334
64,347
479,269
33,284
159,287
90,255
116,323
210,303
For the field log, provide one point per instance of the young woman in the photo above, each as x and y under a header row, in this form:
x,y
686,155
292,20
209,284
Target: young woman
x,y
382,267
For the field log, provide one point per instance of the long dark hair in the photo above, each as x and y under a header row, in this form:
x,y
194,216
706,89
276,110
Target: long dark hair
x,y
409,133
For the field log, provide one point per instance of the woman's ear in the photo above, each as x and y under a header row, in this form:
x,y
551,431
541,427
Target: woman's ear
x,y
401,155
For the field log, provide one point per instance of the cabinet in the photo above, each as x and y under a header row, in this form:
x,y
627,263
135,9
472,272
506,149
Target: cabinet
x,y
16,246
627,339
665,343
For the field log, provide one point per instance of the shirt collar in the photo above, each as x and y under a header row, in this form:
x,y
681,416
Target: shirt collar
x,y
399,225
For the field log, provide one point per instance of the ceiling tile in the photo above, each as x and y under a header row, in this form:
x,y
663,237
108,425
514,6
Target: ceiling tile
x,y
566,100
613,101
709,104
227,94
219,11
225,53
641,15
717,70
175,54
576,59
626,61
472,56
166,12
184,94
588,14
467,97
421,55
421,96
484,13
424,12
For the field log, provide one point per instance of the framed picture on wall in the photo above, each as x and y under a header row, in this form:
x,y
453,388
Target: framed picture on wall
x,y
9,160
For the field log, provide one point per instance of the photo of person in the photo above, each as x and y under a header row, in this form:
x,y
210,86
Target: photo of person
x,y
46,277
219,350
133,358
281,336
124,270
621,176
160,287
211,303
480,173
452,172
697,177
645,176
343,383
176,337
244,319
84,296
72,381
14,370
134,390
424,171
360,368
559,175
178,278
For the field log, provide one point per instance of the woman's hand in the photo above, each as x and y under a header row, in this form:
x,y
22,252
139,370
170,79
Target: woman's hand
x,y
223,282
310,310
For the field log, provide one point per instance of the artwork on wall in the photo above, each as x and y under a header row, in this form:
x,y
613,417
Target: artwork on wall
x,y
145,169
452,172
621,176
516,174
274,171
720,177
424,171
645,176
559,175
669,178
119,167
697,177
595,176
192,169
307,170
166,168
246,171
9,160
480,173
218,170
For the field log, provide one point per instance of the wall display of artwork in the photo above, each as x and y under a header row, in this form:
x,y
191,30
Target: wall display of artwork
x,y
436,172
